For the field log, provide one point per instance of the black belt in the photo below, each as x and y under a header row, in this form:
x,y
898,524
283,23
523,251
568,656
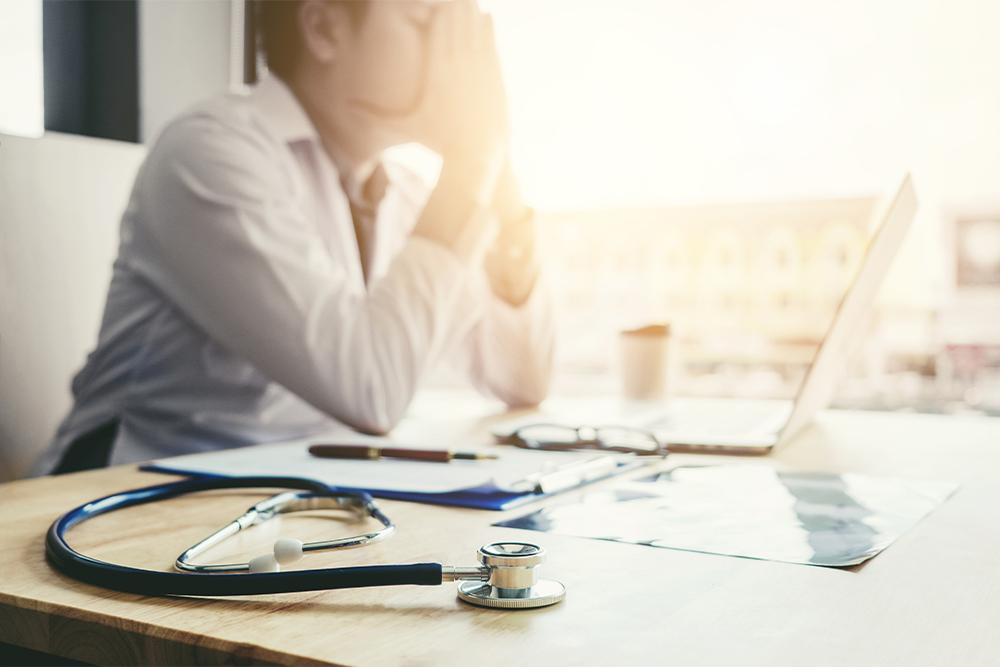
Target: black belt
x,y
90,450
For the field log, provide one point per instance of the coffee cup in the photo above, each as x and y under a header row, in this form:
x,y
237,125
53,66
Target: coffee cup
x,y
645,356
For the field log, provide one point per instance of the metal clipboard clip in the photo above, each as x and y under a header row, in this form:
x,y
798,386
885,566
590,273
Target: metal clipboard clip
x,y
568,476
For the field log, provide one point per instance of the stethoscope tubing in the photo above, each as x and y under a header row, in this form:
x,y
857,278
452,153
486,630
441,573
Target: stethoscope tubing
x,y
150,582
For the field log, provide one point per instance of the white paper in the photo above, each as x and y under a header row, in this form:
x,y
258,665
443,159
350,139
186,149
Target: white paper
x,y
751,511
293,459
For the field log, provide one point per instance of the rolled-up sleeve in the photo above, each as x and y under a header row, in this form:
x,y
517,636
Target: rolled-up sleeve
x,y
513,348
225,239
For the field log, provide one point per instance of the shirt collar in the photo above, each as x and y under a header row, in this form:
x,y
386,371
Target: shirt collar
x,y
366,196
282,110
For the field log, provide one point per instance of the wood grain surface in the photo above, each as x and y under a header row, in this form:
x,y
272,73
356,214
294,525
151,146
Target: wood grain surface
x,y
931,598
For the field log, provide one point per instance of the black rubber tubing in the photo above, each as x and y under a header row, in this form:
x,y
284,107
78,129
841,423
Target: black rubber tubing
x,y
151,582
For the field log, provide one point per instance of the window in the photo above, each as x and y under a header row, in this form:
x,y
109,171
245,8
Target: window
x,y
22,110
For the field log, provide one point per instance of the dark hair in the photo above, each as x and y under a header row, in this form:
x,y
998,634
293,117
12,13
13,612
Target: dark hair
x,y
278,30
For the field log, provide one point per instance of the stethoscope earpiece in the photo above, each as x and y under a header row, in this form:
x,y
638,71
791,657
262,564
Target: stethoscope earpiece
x,y
286,551
263,563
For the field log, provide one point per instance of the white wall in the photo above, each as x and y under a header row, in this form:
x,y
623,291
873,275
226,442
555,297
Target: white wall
x,y
61,199
184,57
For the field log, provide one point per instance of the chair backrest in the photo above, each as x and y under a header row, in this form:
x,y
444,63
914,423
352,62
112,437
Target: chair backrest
x,y
61,199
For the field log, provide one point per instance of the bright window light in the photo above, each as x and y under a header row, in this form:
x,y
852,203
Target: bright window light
x,y
649,102
22,106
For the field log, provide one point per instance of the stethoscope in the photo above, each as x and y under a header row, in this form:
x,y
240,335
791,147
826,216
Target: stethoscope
x,y
506,577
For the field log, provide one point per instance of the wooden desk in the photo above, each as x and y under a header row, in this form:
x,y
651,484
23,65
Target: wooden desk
x,y
931,598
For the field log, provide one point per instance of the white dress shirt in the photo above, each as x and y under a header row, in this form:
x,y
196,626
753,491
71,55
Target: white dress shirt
x,y
238,312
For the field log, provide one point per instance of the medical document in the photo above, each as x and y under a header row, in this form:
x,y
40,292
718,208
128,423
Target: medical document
x,y
508,472
750,511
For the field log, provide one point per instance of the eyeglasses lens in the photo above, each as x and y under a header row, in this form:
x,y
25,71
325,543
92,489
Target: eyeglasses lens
x,y
627,439
554,436
548,435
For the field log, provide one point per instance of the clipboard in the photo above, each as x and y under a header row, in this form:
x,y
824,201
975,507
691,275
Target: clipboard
x,y
516,478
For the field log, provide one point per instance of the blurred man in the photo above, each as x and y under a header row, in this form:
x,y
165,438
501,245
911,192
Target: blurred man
x,y
277,276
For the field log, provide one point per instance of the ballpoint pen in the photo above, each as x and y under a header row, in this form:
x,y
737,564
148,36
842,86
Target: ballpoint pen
x,y
368,452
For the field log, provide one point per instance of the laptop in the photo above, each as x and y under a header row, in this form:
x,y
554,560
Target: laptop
x,y
757,427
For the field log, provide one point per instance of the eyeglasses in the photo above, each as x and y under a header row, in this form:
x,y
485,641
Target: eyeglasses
x,y
558,437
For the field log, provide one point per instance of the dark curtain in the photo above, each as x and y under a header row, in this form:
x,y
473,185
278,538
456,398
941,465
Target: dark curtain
x,y
90,51
249,42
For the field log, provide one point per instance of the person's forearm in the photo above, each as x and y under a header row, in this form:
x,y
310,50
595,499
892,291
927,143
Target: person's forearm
x,y
512,263
514,350
508,201
457,215
512,273
396,331
381,349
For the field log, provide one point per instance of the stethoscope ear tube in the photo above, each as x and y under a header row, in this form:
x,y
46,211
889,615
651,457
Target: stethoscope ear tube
x,y
150,582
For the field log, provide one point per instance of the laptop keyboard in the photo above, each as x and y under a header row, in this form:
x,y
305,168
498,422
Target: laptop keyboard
x,y
721,416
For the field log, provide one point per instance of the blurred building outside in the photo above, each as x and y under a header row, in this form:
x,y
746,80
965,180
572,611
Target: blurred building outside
x,y
749,291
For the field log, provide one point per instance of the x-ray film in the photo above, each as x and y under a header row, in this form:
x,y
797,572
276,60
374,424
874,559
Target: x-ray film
x,y
750,511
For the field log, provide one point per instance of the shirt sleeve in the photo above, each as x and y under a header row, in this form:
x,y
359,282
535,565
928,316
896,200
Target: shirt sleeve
x,y
223,236
513,348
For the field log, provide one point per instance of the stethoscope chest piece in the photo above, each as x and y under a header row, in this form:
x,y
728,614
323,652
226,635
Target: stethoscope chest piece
x,y
513,582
